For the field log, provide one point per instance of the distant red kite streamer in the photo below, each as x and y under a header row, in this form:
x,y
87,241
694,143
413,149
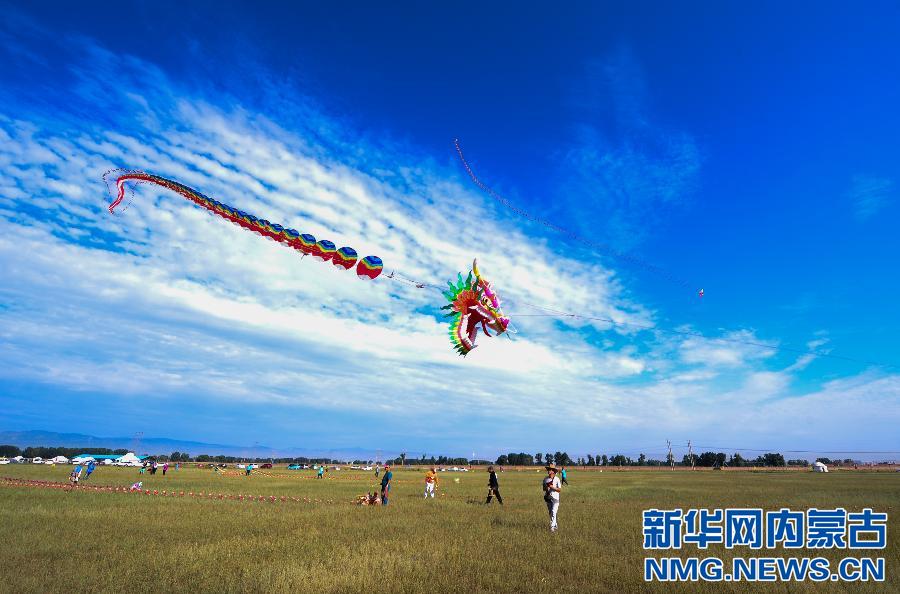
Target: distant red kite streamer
x,y
65,486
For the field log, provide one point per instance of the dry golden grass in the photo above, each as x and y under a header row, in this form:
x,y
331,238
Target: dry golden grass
x,y
57,541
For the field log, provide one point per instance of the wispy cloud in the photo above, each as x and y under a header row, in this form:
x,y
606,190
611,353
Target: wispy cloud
x,y
164,261
803,361
623,170
870,194
165,301
712,353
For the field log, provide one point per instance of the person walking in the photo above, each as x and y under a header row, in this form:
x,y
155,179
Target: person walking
x,y
552,488
493,486
165,468
377,468
430,483
562,475
386,484
321,474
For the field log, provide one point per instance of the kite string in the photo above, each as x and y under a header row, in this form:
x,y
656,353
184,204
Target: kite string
x,y
559,314
562,230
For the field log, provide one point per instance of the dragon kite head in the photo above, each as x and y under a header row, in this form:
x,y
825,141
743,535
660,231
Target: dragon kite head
x,y
473,304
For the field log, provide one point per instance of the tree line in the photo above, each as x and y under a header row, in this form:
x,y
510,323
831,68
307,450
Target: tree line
x,y
704,459
11,451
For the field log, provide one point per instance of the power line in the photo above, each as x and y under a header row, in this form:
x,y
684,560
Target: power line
x,y
779,450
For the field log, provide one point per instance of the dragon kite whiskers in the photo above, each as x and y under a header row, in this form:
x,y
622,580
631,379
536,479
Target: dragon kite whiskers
x,y
473,303
346,257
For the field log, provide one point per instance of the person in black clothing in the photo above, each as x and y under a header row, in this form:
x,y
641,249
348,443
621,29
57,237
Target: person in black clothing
x,y
493,486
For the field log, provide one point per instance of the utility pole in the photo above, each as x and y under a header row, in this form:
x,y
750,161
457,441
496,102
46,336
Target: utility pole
x,y
691,454
136,444
670,459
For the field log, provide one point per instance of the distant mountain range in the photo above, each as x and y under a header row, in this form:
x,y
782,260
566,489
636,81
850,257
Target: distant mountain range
x,y
163,445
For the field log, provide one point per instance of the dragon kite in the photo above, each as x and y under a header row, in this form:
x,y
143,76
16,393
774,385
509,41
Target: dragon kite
x,y
473,303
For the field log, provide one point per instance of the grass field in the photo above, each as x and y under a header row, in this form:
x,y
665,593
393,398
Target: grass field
x,y
52,540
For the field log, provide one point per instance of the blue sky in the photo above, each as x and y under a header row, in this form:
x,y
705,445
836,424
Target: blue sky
x,y
753,153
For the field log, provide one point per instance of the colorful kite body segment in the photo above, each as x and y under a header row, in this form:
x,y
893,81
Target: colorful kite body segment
x,y
369,267
473,304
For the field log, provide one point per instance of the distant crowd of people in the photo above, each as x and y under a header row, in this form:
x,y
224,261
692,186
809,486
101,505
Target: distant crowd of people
x,y
552,484
82,472
153,466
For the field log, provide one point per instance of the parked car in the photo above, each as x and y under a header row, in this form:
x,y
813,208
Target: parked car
x,y
266,465
294,467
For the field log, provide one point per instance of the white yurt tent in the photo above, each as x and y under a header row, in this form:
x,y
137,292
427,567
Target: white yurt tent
x,y
129,459
819,467
59,460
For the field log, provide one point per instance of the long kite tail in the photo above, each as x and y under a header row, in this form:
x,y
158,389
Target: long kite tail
x,y
345,257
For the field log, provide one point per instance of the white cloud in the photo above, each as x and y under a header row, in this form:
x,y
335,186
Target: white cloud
x,y
181,265
803,361
165,300
735,350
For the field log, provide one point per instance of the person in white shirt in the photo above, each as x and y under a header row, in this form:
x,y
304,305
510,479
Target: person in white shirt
x,y
552,488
